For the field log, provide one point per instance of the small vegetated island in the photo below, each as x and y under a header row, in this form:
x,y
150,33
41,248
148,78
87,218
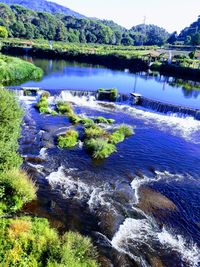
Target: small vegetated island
x,y
99,142
28,241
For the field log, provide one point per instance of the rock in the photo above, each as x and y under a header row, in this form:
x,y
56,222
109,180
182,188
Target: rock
x,y
154,202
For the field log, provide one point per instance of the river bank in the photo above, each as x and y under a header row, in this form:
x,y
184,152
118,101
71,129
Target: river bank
x,y
117,57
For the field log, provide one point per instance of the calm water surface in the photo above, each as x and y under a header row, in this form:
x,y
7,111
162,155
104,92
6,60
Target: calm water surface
x,y
60,74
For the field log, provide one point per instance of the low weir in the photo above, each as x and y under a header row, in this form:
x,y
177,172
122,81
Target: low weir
x,y
133,99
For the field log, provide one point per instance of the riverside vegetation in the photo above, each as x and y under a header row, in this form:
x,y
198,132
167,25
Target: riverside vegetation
x,y
98,141
24,240
16,70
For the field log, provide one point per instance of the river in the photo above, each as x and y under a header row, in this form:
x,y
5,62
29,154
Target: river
x,y
141,205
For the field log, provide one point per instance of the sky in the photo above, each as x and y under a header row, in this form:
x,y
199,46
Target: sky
x,y
173,15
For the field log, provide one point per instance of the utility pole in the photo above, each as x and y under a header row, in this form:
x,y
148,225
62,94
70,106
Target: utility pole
x,y
144,29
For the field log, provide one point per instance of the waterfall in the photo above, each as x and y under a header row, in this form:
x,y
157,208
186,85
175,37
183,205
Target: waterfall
x,y
169,108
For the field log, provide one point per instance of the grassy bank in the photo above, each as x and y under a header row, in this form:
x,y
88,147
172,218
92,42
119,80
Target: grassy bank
x,y
134,58
16,70
29,241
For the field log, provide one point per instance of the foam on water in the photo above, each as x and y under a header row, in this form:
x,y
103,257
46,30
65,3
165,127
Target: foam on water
x,y
80,101
133,234
187,127
138,181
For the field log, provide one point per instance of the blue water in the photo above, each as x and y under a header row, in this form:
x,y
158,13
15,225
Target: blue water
x,y
60,74
163,155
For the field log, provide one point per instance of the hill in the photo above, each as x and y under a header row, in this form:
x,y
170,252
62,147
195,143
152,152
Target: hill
x,y
22,22
191,34
43,6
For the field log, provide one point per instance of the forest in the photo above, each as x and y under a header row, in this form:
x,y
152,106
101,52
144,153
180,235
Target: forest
x,y
21,22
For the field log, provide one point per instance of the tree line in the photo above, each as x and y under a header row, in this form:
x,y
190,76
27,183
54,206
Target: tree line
x,y
21,22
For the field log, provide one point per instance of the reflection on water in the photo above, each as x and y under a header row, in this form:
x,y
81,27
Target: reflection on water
x,y
60,74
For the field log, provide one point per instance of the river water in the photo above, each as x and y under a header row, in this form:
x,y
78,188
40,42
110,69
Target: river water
x,y
141,206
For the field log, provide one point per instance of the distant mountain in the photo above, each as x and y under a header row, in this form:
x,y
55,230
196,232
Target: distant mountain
x,y
44,6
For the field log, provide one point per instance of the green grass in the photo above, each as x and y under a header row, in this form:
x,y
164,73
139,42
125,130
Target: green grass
x,y
126,130
68,140
94,131
42,105
64,107
99,148
10,121
104,120
15,69
108,94
16,189
30,242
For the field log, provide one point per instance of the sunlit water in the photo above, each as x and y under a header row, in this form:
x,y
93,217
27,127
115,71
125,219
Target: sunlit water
x,y
102,199
60,74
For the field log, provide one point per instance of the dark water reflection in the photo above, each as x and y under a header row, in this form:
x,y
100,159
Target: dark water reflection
x,y
60,74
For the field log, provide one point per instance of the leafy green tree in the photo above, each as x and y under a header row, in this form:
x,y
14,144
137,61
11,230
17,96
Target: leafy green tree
x,y
3,32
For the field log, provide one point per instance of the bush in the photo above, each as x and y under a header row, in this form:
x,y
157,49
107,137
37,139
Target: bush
x,y
99,148
45,94
10,121
104,120
31,242
94,131
116,137
68,140
42,105
14,69
108,94
64,107
73,118
87,122
125,130
16,189
54,113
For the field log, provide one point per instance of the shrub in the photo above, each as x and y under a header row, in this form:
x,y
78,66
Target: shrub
x,y
87,122
99,148
45,94
107,94
73,118
125,130
42,105
94,131
64,107
116,137
104,120
54,113
10,121
68,140
15,190
31,242
14,69
45,110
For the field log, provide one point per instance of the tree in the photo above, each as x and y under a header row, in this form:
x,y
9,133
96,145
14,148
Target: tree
x,y
3,32
172,38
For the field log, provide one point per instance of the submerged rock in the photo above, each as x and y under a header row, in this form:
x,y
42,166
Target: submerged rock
x,y
152,202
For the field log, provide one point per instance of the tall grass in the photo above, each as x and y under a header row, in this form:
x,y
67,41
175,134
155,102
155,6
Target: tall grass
x,y
15,69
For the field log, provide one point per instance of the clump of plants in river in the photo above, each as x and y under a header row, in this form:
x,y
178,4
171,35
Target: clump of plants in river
x,y
108,94
43,105
29,241
97,140
14,69
68,140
